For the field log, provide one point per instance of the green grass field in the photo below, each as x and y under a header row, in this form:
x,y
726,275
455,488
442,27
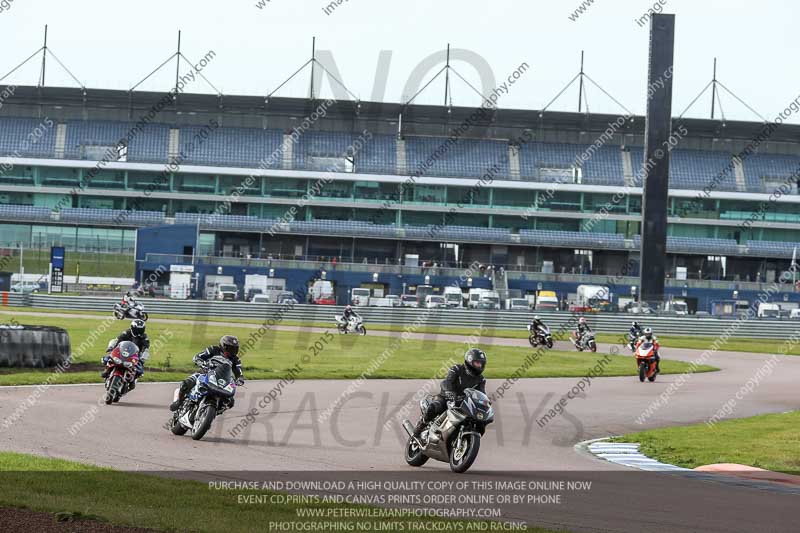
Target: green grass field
x,y
667,341
765,441
328,356
131,499
91,264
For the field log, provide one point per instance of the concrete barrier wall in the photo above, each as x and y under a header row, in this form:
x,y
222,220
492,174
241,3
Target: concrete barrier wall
x,y
33,346
466,318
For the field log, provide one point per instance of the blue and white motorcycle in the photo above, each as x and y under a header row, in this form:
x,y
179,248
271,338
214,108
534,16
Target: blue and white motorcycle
x,y
212,395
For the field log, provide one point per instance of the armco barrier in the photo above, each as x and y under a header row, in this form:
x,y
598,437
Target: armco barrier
x,y
33,346
473,319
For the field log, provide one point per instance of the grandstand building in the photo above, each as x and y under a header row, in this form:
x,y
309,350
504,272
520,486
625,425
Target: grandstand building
x,y
553,197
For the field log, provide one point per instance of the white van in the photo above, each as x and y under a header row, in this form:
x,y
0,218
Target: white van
x,y
359,297
434,301
794,314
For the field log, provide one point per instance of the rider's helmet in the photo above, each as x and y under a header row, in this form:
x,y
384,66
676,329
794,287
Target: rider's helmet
x,y
348,309
229,345
475,361
635,324
536,318
648,333
124,351
582,321
137,328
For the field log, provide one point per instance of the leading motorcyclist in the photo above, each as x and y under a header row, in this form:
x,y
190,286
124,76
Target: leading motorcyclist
x,y
137,335
228,347
468,375
647,336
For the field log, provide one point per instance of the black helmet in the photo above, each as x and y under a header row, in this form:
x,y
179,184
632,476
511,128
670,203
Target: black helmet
x,y
635,324
137,328
475,361
229,345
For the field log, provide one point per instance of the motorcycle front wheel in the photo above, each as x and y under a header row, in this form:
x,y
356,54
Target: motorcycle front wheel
x,y
642,371
119,315
594,347
203,420
144,316
462,457
362,330
549,343
414,455
111,392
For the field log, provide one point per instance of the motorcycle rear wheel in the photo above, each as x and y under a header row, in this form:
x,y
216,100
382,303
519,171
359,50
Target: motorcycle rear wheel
x,y
203,421
176,427
461,464
532,340
414,455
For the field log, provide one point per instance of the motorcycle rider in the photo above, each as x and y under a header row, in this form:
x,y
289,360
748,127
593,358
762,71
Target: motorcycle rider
x,y
537,324
137,335
634,333
647,336
228,347
350,316
465,376
582,329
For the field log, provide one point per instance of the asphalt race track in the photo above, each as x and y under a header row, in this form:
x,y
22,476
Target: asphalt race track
x,y
290,434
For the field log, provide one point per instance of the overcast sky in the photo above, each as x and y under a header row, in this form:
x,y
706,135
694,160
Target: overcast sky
x,y
112,44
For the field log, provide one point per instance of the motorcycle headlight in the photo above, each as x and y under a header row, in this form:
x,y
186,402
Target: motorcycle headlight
x,y
480,415
127,364
222,383
117,360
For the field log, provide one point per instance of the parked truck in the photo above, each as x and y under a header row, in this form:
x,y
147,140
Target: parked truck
x,y
453,297
589,297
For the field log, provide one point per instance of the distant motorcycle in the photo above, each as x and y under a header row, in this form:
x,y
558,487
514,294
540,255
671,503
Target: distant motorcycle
x,y
133,311
632,341
350,326
540,336
586,342
212,395
122,362
454,436
646,361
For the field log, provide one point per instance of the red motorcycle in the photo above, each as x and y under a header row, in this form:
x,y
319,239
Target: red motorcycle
x,y
121,368
646,360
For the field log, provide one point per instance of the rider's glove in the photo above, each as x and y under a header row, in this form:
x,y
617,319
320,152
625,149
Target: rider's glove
x,y
240,381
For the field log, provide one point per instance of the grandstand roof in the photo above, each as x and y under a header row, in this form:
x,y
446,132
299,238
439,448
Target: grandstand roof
x,y
256,111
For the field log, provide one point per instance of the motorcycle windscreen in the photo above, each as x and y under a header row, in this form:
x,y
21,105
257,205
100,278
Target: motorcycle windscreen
x,y
221,380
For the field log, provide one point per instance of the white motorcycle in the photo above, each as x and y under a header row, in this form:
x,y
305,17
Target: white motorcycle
x,y
354,325
130,310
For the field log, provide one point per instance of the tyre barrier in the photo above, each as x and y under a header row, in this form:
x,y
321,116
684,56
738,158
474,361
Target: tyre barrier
x,y
24,346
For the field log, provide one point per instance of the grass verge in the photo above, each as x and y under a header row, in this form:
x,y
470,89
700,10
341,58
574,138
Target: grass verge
x,y
132,499
764,441
323,355
744,344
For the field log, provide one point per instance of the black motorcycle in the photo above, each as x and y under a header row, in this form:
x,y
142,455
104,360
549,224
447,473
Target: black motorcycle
x,y
212,395
454,436
540,336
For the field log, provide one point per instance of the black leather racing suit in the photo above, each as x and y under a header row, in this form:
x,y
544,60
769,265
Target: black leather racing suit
x,y
458,378
205,355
